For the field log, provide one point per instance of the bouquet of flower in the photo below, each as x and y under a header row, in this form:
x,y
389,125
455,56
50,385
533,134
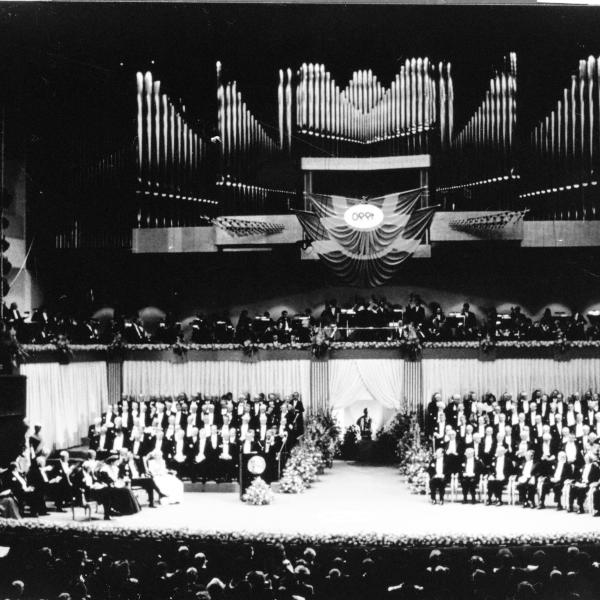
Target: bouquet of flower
x,y
249,348
64,351
259,493
116,349
291,481
320,345
487,343
179,349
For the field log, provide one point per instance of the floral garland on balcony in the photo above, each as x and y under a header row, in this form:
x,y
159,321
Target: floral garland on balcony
x,y
560,344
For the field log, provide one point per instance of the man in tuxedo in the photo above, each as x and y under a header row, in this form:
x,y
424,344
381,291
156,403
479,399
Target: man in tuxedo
x,y
471,469
284,327
38,479
133,471
212,453
298,408
64,486
555,480
438,476
451,451
526,480
500,470
19,488
589,475
364,423
451,410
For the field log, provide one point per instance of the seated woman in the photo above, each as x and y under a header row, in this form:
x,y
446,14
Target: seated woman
x,y
9,509
122,500
169,485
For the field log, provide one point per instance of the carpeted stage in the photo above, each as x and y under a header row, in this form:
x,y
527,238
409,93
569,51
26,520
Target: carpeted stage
x,y
349,499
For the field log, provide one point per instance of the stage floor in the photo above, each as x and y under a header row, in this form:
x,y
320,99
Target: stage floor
x,y
348,499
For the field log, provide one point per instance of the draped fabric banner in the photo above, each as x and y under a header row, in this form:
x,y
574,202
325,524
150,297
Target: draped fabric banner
x,y
365,383
413,386
319,386
215,378
65,399
459,376
365,257
351,380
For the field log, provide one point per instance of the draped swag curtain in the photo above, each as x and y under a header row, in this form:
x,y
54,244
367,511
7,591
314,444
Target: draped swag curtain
x,y
215,378
65,399
352,380
459,376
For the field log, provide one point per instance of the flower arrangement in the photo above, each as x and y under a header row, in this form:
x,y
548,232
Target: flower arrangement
x,y
414,468
303,466
259,493
349,447
116,349
291,481
249,348
487,343
562,344
320,345
80,532
323,430
412,348
381,345
392,440
65,354
179,349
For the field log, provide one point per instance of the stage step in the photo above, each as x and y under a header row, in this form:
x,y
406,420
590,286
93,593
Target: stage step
x,y
231,487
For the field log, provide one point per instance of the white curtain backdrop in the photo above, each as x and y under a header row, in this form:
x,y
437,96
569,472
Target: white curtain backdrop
x,y
217,377
365,383
459,376
65,399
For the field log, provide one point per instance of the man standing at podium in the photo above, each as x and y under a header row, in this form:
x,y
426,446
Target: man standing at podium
x,y
364,423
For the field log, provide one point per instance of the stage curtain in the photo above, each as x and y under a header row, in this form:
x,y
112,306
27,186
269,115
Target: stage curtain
x,y
65,399
352,380
319,385
459,376
215,378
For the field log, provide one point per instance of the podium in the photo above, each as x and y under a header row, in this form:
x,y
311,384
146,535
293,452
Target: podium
x,y
252,465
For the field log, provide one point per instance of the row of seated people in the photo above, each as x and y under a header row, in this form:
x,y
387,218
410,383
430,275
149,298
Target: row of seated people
x,y
578,413
33,480
376,313
540,441
202,438
529,477
83,571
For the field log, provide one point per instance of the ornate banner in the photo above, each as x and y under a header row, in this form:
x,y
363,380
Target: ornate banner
x,y
362,242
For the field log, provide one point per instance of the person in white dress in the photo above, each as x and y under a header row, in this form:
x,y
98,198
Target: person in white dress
x,y
165,480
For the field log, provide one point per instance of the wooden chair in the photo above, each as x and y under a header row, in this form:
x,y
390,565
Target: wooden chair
x,y
82,502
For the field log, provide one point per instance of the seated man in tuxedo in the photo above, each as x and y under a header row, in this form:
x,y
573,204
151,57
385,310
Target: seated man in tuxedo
x,y
64,487
40,482
471,470
500,471
133,472
15,481
588,477
438,476
85,482
526,480
555,480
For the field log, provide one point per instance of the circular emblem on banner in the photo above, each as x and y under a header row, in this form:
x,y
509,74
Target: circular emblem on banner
x,y
364,217
257,465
